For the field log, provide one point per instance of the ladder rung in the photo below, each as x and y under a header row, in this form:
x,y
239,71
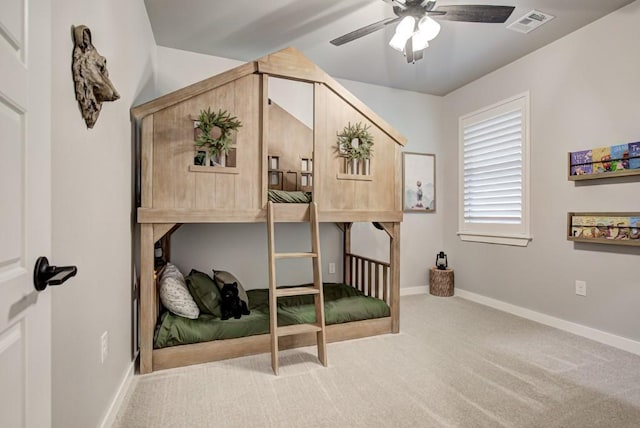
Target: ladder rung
x,y
296,291
290,330
294,255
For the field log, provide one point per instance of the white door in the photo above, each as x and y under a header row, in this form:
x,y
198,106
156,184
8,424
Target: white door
x,y
25,213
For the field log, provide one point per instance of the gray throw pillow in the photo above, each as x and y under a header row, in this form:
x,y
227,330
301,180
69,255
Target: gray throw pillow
x,y
222,277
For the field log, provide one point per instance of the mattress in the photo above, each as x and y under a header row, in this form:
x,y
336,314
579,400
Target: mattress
x,y
342,303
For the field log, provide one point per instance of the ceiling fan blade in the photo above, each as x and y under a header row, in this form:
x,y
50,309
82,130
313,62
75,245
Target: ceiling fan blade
x,y
475,13
356,34
428,5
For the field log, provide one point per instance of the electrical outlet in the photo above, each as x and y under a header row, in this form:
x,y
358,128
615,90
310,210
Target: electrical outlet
x,y
581,288
104,346
332,268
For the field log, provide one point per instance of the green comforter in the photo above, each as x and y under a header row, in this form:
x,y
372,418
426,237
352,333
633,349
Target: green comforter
x,y
342,303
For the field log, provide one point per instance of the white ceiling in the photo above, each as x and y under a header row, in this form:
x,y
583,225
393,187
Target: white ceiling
x,y
248,29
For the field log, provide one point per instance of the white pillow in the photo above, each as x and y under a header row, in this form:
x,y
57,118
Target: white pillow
x,y
175,295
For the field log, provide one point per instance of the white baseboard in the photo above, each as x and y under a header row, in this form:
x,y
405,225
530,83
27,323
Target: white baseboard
x,y
571,327
408,291
112,412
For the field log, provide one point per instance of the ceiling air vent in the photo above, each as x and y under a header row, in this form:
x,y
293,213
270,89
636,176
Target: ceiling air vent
x,y
530,21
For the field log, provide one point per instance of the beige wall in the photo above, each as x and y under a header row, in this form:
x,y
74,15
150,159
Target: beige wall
x,y
584,93
91,208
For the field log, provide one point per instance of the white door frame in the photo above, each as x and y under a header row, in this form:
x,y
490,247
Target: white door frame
x,y
25,211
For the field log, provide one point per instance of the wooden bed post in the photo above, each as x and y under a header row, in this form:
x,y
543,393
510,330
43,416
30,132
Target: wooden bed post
x,y
147,298
264,138
393,230
346,264
394,255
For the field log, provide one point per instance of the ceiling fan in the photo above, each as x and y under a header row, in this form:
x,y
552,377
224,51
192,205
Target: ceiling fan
x,y
417,25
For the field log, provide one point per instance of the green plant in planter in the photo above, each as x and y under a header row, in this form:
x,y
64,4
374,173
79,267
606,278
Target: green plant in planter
x,y
208,121
360,151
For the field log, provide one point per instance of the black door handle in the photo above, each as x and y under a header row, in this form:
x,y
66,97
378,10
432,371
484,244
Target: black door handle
x,y
44,274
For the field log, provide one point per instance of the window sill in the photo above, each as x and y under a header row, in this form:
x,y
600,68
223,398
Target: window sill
x,y
214,169
518,241
356,177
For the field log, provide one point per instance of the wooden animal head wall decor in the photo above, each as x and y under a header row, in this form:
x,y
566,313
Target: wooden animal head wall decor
x,y
90,76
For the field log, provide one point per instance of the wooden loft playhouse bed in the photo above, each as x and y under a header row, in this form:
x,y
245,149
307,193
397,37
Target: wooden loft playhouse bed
x,y
272,150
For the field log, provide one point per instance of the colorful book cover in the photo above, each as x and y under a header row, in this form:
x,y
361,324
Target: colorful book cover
x,y
623,231
585,226
581,162
576,231
577,220
619,157
576,226
601,159
634,155
620,221
591,221
617,228
602,227
634,223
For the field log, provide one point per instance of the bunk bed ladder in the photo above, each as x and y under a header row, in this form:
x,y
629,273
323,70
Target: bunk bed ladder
x,y
316,289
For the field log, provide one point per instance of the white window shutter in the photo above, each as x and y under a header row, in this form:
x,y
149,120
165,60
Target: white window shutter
x,y
493,170
494,176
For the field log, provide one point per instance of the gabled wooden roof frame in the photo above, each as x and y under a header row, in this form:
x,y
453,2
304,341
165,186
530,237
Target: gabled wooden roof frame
x,y
287,63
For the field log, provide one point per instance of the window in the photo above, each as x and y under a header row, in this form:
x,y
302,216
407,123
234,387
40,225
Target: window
x,y
494,174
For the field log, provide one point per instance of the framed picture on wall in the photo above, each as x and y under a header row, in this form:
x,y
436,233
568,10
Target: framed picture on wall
x,y
419,185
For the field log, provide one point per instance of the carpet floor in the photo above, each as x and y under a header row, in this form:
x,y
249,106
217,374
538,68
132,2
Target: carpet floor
x,y
454,364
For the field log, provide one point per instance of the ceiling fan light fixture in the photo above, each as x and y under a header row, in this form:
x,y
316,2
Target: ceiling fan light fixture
x,y
429,28
404,31
398,41
419,41
406,26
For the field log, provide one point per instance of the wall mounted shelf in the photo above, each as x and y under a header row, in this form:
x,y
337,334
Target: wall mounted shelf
x,y
614,228
621,160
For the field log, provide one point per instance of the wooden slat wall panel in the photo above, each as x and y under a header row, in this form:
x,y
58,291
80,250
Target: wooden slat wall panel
x,y
197,88
212,190
175,187
146,163
184,181
163,135
248,184
379,194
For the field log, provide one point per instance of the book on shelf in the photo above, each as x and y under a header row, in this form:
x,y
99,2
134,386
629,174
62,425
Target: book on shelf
x,y
634,155
601,159
581,162
619,157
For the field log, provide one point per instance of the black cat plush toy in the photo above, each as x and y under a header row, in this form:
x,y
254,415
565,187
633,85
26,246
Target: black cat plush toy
x,y
231,304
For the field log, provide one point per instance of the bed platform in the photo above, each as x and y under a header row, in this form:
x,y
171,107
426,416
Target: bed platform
x,y
276,156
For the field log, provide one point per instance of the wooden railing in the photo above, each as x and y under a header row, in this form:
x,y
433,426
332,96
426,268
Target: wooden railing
x,y
372,277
